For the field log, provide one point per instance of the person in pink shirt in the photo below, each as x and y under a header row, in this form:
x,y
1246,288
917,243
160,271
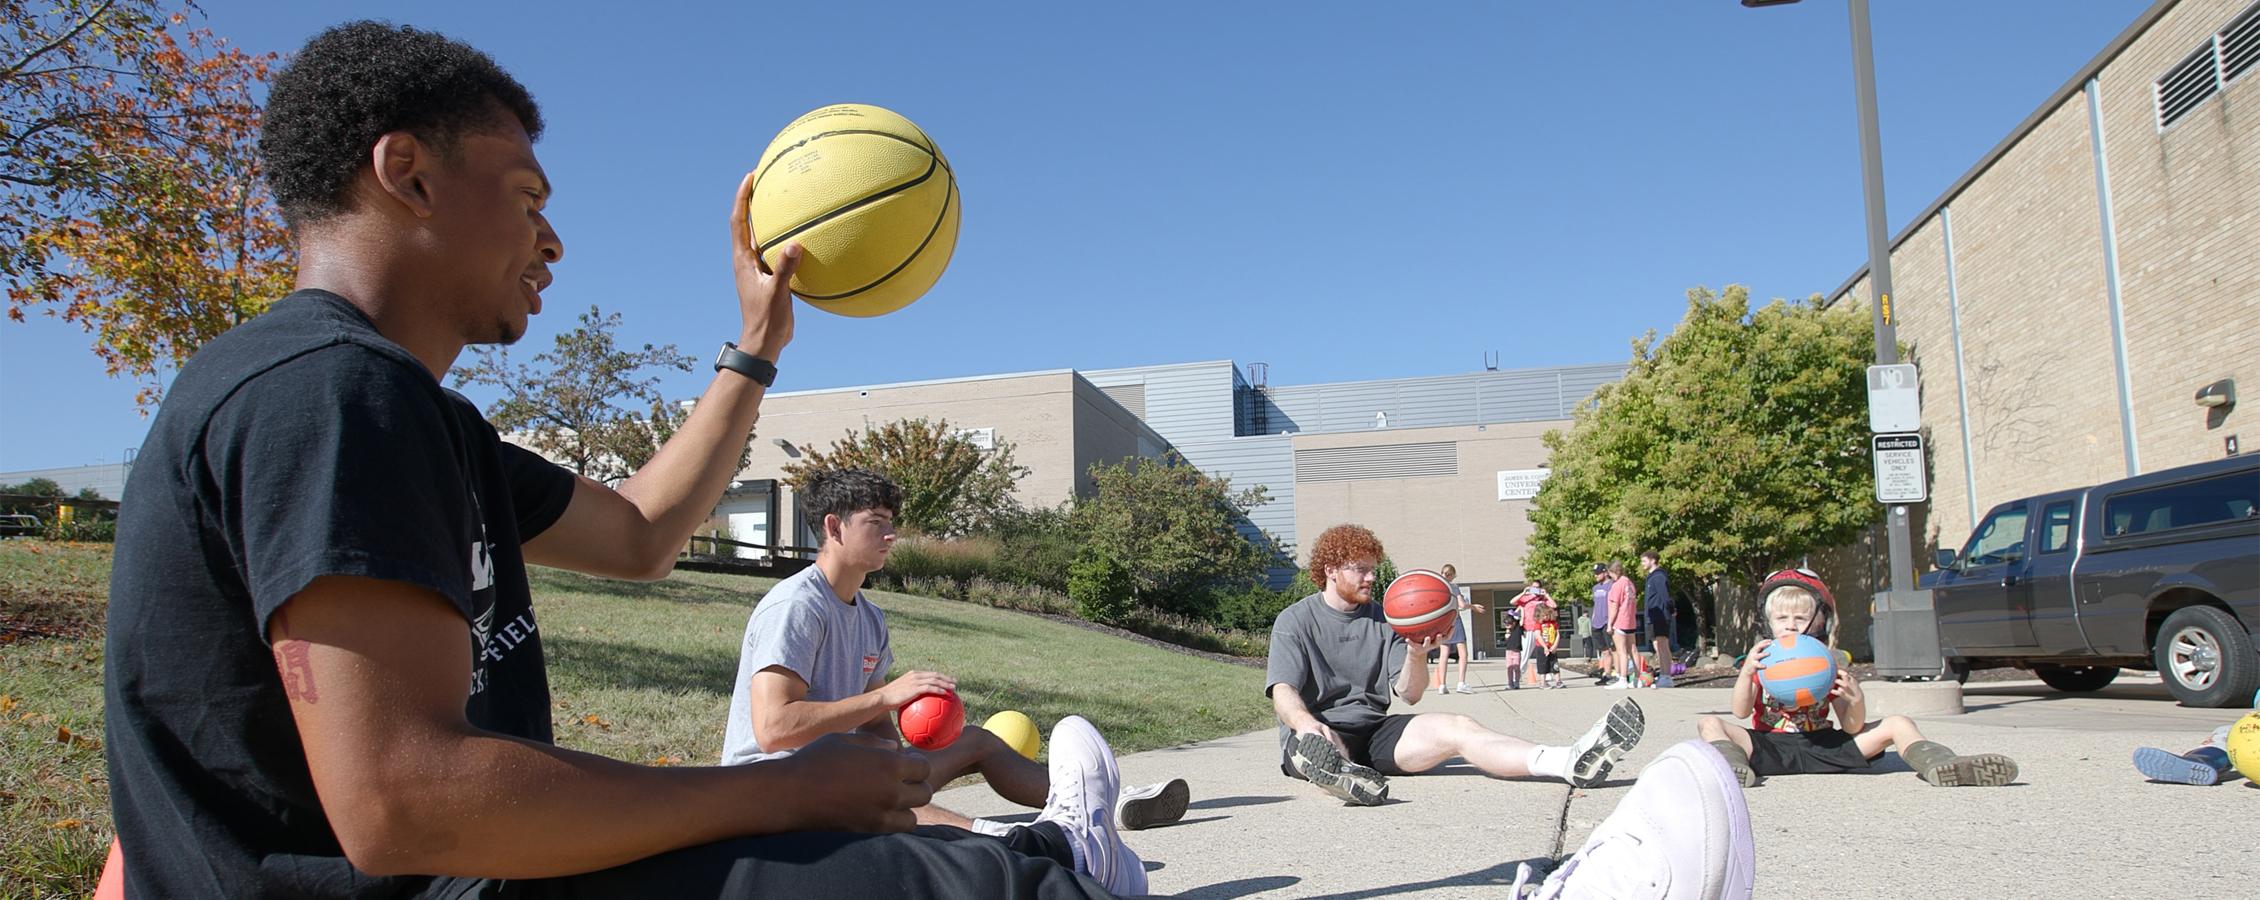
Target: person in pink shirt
x,y
1624,622
1533,606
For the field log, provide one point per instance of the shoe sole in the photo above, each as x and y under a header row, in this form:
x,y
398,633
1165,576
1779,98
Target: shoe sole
x,y
1323,765
1740,878
2159,765
1625,723
1160,809
1982,770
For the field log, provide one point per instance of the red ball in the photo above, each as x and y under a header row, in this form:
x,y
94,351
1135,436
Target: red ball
x,y
1419,604
933,721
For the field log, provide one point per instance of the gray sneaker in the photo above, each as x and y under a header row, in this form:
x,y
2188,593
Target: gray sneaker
x,y
1154,804
1323,763
1085,787
1617,732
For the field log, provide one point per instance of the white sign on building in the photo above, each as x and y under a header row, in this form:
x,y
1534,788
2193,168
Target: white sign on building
x,y
1521,484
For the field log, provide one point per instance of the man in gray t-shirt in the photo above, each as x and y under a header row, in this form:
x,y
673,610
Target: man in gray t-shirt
x,y
1334,664
839,649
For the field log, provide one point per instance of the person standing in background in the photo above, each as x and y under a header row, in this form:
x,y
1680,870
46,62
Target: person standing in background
x,y
1658,616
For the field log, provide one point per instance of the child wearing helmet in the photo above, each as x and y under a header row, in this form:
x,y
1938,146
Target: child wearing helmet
x,y
1834,735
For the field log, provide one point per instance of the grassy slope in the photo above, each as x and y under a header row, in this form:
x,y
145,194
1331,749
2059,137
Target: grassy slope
x,y
639,672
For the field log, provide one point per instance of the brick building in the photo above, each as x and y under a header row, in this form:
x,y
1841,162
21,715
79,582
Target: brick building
x,y
2136,185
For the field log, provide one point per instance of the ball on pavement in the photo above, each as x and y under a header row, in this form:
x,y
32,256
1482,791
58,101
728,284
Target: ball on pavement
x,y
933,721
871,200
1798,671
1016,731
1418,604
2243,746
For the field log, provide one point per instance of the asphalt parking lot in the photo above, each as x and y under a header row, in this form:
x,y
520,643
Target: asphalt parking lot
x,y
2079,822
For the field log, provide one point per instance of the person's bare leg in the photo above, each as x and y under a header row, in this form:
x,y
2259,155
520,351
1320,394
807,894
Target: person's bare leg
x,y
1713,728
935,815
1663,656
1466,650
1432,738
1892,731
1013,776
1624,653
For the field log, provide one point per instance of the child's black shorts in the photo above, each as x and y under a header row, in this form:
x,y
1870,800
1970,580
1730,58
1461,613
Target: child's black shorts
x,y
1824,752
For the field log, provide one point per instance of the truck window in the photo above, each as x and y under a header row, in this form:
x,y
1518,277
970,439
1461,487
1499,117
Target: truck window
x,y
2056,527
2000,539
2221,498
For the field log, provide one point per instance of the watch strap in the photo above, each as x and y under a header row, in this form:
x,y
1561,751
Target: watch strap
x,y
762,371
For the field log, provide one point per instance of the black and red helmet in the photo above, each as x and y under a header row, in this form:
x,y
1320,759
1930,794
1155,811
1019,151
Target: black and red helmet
x,y
1824,618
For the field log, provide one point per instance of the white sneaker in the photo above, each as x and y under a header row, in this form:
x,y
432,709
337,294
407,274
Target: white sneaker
x,y
1681,833
1154,804
1462,689
1618,685
1663,681
1085,786
1617,732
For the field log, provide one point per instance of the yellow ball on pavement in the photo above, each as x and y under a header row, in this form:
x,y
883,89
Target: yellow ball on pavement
x,y
1016,731
2244,745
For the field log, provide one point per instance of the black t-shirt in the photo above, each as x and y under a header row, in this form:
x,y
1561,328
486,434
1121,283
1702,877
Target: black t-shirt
x,y
300,444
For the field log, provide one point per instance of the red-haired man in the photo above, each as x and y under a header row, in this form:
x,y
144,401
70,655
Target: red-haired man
x,y
1334,664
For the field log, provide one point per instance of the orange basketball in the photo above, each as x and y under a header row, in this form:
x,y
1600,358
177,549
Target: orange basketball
x,y
1419,604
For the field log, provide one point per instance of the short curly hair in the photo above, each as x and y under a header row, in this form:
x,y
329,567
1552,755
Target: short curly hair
x,y
1341,544
356,82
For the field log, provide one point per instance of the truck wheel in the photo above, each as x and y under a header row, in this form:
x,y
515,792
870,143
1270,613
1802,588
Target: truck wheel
x,y
2206,658
2076,679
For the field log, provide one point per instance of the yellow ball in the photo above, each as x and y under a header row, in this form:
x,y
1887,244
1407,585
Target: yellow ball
x,y
1016,732
2244,746
871,200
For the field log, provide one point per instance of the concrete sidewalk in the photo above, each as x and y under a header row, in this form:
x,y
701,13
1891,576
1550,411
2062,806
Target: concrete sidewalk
x,y
2080,822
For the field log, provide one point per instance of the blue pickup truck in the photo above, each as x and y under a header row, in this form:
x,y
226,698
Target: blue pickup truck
x,y
2160,571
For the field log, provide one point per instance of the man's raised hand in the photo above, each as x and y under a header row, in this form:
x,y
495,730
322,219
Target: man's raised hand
x,y
765,298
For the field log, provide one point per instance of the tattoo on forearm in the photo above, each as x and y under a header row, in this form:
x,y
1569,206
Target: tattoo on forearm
x,y
296,665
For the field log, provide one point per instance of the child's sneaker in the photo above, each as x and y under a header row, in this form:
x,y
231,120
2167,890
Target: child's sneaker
x,y
1681,833
1323,764
1154,804
1617,732
2196,768
1085,786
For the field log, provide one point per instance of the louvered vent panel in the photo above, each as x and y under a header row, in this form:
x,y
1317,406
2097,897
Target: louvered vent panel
x,y
1131,396
1387,461
2187,84
2240,43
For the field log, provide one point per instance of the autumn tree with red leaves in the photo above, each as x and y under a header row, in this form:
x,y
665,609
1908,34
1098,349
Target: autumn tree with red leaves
x,y
131,201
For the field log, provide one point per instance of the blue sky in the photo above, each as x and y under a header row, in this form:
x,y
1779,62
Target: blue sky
x,y
1343,191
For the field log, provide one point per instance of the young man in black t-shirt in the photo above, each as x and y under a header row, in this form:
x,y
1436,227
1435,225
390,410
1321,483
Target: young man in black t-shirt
x,y
325,674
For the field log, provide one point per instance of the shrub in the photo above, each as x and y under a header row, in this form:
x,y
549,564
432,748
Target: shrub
x,y
1100,587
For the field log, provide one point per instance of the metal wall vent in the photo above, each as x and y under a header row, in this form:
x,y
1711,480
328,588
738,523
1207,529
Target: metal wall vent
x,y
1131,396
1386,461
2225,55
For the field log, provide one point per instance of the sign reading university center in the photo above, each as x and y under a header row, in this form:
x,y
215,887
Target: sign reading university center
x,y
1899,475
1521,484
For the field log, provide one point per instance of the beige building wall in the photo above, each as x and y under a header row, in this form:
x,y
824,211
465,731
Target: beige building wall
x,y
1056,422
1426,522
2036,357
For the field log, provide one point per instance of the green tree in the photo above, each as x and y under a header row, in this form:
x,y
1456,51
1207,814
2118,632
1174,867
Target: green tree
x,y
131,200
581,406
1734,445
950,485
1175,529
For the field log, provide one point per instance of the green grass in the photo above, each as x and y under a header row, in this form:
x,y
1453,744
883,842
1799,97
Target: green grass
x,y
639,672
54,792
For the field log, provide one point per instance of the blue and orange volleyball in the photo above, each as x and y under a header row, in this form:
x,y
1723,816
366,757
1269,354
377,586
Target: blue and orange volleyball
x,y
1798,671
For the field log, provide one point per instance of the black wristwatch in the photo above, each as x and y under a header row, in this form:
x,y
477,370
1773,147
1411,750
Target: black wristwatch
x,y
762,371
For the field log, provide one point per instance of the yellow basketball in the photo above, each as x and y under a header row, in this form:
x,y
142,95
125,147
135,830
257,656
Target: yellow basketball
x,y
2244,746
1016,732
871,200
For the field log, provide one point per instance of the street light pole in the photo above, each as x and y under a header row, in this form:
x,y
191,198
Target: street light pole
x,y
1906,623
1879,262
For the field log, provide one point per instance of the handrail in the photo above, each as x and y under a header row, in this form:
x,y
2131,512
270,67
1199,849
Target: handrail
x,y
778,550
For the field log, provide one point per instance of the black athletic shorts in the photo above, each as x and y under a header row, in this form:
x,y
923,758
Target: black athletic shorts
x,y
1659,623
1374,745
1824,752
